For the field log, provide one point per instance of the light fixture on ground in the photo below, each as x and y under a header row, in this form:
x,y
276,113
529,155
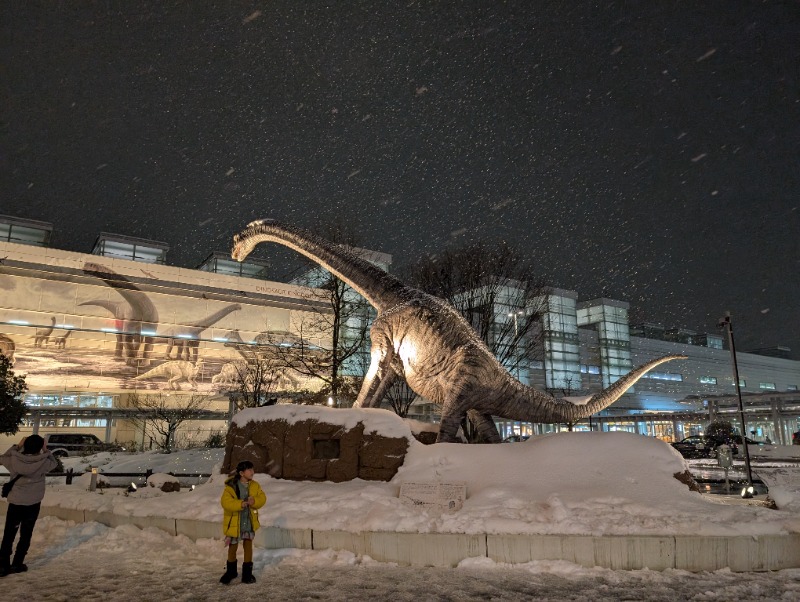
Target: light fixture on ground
x,y
330,402
131,487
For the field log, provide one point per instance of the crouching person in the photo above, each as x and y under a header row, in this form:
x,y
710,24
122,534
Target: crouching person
x,y
241,499
27,464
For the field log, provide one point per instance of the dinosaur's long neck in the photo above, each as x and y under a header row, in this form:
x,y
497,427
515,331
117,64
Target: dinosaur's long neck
x,y
216,316
527,404
143,308
108,305
380,289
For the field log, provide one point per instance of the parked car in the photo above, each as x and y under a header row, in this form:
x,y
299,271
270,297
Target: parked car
x,y
516,438
75,444
703,446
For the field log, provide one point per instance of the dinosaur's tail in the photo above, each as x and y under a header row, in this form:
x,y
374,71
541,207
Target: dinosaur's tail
x,y
536,406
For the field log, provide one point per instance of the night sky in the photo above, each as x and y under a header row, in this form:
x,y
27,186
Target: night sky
x,y
645,151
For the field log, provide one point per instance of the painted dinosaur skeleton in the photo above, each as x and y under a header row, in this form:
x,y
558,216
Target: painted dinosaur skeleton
x,y
425,340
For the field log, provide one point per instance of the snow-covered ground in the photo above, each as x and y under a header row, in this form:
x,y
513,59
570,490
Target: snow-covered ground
x,y
572,483
70,562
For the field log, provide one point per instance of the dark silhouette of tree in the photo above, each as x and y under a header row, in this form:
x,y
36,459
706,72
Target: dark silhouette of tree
x,y
400,397
161,415
263,372
496,290
12,407
332,336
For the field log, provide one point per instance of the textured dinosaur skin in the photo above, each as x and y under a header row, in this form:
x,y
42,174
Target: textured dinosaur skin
x,y
425,340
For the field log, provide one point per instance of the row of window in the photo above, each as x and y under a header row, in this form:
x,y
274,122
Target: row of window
x,y
674,376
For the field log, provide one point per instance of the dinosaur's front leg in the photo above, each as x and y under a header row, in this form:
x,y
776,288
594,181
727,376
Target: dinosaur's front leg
x,y
380,369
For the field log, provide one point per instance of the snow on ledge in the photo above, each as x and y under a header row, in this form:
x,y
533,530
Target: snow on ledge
x,y
374,420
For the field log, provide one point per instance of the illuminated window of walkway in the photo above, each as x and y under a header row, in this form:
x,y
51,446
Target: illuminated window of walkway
x,y
610,318
128,247
562,369
25,231
220,262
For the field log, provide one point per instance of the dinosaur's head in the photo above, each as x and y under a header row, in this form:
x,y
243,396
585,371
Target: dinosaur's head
x,y
247,239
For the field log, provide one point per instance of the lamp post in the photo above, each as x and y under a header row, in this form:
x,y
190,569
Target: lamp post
x,y
516,315
725,322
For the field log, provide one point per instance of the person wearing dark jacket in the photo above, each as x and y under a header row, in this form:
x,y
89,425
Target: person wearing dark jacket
x,y
31,461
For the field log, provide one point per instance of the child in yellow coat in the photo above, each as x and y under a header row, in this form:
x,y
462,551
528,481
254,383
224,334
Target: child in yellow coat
x,y
241,499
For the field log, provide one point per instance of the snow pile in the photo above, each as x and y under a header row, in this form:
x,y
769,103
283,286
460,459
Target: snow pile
x,y
565,483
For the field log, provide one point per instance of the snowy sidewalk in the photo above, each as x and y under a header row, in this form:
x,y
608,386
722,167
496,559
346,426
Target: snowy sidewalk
x,y
91,562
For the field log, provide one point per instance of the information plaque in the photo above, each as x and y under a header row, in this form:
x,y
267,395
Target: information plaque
x,y
434,495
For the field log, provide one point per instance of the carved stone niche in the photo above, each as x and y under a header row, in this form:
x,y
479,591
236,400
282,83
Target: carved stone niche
x,y
314,450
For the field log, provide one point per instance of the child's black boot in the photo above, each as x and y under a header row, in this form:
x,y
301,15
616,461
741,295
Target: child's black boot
x,y
230,573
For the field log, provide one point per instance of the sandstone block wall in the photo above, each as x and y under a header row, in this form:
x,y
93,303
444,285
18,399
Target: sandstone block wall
x,y
311,450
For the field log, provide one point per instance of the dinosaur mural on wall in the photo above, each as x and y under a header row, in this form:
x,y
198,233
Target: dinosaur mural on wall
x,y
176,372
191,343
425,340
43,334
136,317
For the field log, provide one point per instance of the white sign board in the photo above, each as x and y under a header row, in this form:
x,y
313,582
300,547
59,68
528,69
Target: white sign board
x,y
434,495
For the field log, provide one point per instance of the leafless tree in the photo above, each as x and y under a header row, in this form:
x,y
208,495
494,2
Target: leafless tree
x,y
332,337
161,415
496,290
261,373
400,397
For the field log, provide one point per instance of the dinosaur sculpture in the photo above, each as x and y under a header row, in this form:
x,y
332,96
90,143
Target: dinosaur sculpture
x,y
425,340
43,334
136,319
175,371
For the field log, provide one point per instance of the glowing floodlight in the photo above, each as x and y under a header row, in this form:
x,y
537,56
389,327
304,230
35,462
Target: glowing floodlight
x,y
131,487
748,492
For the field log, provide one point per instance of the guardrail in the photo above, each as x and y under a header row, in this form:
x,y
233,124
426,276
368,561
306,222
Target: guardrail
x,y
142,477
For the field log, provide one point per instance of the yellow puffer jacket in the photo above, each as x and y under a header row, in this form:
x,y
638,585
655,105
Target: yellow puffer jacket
x,y
232,506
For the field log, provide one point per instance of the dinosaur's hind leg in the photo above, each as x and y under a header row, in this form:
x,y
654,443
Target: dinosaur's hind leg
x,y
485,427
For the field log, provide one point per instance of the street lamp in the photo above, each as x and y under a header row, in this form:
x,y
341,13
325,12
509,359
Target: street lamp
x,y
515,315
725,322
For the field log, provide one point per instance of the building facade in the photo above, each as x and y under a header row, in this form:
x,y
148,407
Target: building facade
x,y
89,331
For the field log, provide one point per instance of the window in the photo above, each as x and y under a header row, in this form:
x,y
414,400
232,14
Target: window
x,y
664,376
708,380
767,386
590,369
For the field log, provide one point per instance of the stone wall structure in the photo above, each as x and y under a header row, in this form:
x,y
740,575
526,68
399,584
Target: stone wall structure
x,y
313,449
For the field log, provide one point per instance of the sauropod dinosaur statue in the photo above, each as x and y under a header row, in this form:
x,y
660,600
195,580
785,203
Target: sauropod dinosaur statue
x,y
425,339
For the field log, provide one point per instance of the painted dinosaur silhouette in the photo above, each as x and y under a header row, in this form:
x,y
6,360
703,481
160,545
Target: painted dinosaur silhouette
x,y
136,318
186,339
175,371
60,342
43,334
425,340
